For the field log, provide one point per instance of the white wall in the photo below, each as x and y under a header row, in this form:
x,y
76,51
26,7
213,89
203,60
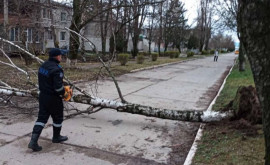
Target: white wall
x,y
97,42
143,46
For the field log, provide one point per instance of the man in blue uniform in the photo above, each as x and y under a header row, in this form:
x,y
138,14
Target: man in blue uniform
x,y
52,90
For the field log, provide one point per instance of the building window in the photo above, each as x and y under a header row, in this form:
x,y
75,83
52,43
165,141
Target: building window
x,y
14,34
46,13
63,16
29,35
36,36
50,35
62,36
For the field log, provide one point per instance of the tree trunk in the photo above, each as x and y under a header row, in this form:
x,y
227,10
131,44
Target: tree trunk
x,y
149,47
135,44
255,34
135,38
104,37
187,115
55,39
5,15
160,27
74,42
241,57
102,32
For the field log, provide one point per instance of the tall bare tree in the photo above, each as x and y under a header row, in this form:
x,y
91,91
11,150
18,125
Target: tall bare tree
x,y
205,23
221,41
227,10
151,14
254,23
160,12
104,23
137,9
54,36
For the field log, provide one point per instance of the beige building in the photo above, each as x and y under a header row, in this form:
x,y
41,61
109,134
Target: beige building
x,y
35,25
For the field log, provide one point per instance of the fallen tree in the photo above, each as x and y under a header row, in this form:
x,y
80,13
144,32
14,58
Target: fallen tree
x,y
187,115
100,103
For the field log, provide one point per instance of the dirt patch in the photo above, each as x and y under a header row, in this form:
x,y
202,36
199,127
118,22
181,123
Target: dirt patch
x,y
20,109
113,157
246,105
211,92
115,122
182,142
243,126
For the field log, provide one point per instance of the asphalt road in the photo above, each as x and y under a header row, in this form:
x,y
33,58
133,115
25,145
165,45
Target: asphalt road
x,y
109,137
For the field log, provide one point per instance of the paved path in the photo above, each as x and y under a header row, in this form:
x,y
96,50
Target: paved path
x,y
109,137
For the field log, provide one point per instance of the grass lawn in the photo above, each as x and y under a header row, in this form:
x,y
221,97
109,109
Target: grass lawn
x,y
91,73
82,72
231,142
234,80
223,144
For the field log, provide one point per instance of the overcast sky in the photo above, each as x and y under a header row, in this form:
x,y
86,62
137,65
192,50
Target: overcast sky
x,y
191,6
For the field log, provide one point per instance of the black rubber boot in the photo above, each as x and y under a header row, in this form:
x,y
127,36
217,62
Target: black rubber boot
x,y
33,143
57,138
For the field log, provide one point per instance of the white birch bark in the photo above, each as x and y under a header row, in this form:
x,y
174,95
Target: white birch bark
x,y
190,115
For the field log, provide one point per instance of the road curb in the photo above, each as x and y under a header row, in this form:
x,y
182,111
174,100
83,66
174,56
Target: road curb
x,y
198,137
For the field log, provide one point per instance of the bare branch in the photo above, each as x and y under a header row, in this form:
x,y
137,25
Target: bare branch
x,y
103,63
28,53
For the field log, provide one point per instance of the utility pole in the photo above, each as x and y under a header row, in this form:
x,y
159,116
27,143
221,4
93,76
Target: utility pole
x,y
5,15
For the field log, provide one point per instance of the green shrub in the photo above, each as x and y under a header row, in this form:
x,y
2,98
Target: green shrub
x,y
222,51
212,51
190,54
123,58
205,52
154,56
171,54
140,59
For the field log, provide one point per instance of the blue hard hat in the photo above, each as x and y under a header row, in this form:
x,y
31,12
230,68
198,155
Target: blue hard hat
x,y
55,52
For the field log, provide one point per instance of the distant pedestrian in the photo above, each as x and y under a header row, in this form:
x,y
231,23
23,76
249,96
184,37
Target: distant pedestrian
x,y
216,55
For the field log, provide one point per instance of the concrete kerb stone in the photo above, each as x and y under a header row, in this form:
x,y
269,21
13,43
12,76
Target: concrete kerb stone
x,y
198,137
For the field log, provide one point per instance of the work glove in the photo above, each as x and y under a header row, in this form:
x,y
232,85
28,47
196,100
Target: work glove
x,y
68,93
